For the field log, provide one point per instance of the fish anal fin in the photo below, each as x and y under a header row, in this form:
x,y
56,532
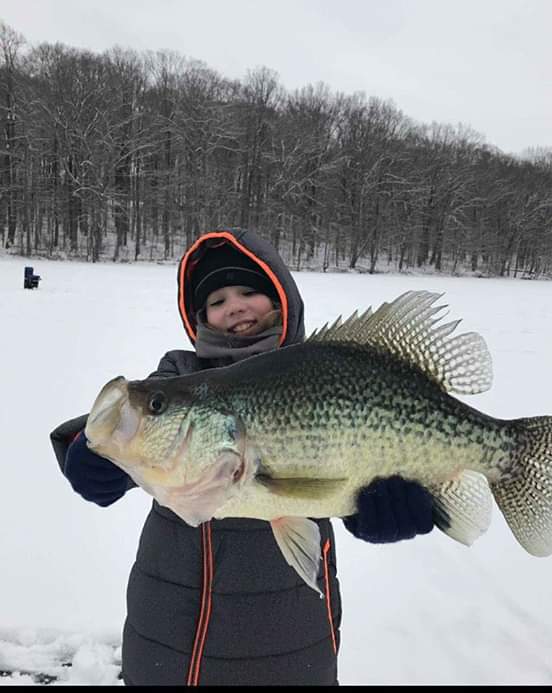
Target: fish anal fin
x,y
463,507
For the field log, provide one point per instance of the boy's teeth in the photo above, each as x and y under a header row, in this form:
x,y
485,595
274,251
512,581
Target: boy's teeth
x,y
242,326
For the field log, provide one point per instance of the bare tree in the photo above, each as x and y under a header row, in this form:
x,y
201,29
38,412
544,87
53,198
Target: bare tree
x,y
10,46
130,156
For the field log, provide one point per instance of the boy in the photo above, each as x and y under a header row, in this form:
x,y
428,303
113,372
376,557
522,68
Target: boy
x,y
218,604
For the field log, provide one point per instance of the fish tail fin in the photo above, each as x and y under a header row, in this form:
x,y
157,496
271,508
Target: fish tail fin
x,y
525,497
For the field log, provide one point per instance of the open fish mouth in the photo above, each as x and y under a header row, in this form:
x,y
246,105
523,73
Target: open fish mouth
x,y
112,421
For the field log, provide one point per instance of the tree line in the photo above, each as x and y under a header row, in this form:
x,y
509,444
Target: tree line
x,y
126,156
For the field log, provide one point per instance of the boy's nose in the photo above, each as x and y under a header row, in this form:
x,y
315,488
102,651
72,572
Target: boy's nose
x,y
235,306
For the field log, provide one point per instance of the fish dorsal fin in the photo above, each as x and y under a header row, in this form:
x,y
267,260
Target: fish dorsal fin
x,y
408,328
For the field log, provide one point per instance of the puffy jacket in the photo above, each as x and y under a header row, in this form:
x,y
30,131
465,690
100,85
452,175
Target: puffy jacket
x,y
218,604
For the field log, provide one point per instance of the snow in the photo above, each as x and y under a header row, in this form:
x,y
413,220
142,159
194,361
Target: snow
x,y
428,611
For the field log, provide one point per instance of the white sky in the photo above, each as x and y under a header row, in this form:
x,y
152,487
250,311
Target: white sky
x,y
483,63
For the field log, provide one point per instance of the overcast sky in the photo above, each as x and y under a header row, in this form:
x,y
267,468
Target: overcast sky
x,y
483,63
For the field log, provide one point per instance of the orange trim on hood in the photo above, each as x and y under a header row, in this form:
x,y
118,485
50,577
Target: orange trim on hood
x,y
229,237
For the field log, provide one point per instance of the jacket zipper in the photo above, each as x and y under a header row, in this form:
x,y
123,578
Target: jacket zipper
x,y
205,609
326,551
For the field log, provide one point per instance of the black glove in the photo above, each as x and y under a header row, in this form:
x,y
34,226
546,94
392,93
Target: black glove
x,y
391,509
93,477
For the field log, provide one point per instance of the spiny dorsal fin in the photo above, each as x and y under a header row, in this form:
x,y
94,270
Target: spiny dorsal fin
x,y
341,332
407,327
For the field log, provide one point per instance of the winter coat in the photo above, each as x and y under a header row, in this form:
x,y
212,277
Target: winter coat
x,y
218,604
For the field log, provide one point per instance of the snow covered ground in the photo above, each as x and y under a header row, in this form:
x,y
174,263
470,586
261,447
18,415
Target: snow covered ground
x,y
428,611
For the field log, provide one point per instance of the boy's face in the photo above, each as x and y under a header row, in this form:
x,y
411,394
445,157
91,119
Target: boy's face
x,y
238,309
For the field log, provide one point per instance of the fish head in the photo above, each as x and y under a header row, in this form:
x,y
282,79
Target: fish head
x,y
188,455
139,425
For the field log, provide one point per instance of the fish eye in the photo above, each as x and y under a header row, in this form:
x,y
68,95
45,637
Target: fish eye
x,y
157,403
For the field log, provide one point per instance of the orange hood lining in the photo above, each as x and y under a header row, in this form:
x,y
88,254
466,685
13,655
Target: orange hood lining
x,y
230,238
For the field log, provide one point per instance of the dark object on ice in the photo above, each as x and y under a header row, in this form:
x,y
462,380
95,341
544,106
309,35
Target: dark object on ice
x,y
39,678
31,279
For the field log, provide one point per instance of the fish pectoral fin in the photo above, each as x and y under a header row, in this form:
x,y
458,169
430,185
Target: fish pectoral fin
x,y
298,539
313,489
463,507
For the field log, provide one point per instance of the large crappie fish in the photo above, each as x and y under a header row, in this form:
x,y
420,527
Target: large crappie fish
x,y
295,433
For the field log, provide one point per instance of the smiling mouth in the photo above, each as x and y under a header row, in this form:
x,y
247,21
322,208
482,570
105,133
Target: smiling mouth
x,y
242,326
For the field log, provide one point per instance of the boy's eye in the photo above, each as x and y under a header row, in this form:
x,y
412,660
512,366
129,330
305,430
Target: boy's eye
x,y
250,292
218,302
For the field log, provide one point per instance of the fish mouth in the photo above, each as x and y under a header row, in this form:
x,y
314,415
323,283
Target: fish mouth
x,y
112,422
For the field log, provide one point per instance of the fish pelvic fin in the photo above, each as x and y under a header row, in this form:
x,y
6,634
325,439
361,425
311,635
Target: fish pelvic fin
x,y
298,539
408,328
462,507
525,497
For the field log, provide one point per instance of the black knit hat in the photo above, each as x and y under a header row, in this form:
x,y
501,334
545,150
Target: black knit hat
x,y
225,265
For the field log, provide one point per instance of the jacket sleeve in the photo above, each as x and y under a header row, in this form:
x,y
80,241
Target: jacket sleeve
x,y
93,477
62,437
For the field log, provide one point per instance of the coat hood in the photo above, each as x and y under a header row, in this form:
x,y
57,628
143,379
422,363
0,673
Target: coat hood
x,y
261,253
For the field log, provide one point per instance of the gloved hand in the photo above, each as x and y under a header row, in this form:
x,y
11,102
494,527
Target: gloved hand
x,y
93,477
391,509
